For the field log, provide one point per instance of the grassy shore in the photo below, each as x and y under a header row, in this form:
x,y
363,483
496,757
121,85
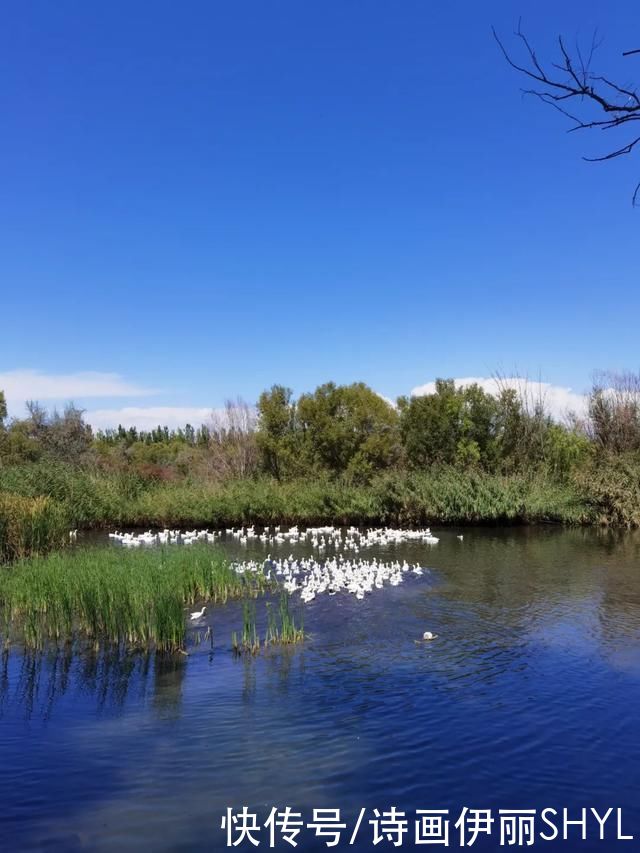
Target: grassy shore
x,y
39,503
139,597
115,596
440,495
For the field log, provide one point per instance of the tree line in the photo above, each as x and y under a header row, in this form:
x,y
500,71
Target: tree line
x,y
345,431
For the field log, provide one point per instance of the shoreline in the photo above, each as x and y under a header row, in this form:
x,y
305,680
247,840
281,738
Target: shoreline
x,y
39,505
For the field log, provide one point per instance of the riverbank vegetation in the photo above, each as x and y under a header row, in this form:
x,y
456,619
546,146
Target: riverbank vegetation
x,y
281,628
30,525
108,595
340,454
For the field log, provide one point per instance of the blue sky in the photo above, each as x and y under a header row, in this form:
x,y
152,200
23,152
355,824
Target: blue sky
x,y
202,199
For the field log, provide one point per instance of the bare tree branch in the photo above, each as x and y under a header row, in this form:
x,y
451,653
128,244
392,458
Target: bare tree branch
x,y
573,80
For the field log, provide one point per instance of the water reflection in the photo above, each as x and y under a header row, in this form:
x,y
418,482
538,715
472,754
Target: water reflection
x,y
527,699
490,597
169,674
104,679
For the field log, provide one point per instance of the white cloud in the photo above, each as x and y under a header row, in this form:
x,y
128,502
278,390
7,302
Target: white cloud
x,y
387,400
148,417
558,400
21,385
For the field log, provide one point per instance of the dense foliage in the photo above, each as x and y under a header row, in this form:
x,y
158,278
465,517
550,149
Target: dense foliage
x,y
340,453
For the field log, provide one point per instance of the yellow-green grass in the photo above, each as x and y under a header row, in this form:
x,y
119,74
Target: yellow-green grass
x,y
31,525
441,494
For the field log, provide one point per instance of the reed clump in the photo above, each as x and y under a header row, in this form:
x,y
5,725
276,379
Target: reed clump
x,y
110,595
248,641
31,525
281,628
286,632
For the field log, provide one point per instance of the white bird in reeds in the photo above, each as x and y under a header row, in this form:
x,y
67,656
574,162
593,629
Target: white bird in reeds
x,y
197,614
460,537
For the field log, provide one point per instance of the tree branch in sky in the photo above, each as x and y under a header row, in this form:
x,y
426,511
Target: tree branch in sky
x,y
591,101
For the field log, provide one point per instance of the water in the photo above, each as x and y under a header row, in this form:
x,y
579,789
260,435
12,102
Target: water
x,y
529,698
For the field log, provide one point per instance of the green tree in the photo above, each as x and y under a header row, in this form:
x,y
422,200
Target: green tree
x,y
64,437
452,426
430,425
478,416
508,428
614,412
276,434
565,450
349,429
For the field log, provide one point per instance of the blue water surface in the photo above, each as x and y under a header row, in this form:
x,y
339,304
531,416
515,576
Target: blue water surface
x,y
528,699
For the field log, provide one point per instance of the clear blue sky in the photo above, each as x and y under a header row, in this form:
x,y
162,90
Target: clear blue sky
x,y
207,198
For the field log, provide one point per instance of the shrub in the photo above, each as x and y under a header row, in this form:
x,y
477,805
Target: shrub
x,y
30,526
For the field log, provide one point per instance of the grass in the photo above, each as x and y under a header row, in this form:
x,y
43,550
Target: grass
x,y
31,525
248,642
281,628
90,497
287,632
40,502
110,595
441,494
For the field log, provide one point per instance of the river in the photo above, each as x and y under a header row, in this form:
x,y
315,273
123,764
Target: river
x,y
528,699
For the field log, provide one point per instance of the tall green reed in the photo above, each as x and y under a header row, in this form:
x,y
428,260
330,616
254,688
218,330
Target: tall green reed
x,y
31,526
111,595
281,627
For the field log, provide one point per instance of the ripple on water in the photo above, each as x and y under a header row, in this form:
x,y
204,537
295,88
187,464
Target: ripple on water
x,y
527,698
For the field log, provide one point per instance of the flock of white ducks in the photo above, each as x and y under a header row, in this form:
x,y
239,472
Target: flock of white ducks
x,y
307,576
338,574
163,537
350,539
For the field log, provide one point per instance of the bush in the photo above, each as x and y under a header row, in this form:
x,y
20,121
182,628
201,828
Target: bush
x,y
30,526
611,489
90,497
